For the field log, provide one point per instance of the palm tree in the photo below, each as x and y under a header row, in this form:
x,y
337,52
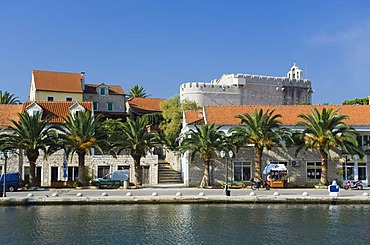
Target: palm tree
x,y
262,130
326,131
134,137
82,132
207,141
32,135
137,91
7,98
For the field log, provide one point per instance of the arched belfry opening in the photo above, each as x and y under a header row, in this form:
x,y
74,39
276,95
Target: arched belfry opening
x,y
295,73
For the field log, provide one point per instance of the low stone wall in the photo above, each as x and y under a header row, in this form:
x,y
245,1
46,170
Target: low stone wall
x,y
182,200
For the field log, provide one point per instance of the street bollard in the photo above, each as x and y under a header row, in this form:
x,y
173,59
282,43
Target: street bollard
x,y
125,185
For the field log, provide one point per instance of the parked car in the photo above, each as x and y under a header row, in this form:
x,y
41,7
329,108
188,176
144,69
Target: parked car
x,y
114,178
13,181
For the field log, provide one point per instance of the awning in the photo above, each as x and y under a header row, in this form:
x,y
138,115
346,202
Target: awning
x,y
274,167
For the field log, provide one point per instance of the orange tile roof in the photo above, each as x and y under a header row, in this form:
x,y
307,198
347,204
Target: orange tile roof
x,y
57,109
9,112
194,117
57,81
225,115
113,89
145,104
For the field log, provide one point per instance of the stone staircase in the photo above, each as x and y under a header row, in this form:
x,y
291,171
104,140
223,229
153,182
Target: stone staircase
x,y
167,175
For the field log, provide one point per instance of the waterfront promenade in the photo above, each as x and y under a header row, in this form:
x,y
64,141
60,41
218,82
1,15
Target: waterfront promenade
x,y
179,194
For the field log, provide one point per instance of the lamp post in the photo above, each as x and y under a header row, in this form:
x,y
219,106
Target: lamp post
x,y
5,155
222,154
231,154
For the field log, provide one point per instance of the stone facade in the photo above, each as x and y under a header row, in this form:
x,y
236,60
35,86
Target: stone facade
x,y
102,100
173,158
245,89
297,174
18,163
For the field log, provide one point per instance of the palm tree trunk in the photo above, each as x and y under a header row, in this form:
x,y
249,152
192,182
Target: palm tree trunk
x,y
81,167
138,171
206,180
32,157
257,163
33,174
324,168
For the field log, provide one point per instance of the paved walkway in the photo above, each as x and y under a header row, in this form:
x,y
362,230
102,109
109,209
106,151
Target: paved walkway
x,y
180,194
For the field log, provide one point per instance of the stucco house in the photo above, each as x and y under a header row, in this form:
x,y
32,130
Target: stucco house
x,y
108,100
303,170
56,86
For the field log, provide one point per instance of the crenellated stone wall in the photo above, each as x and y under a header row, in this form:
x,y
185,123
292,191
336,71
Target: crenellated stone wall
x,y
246,89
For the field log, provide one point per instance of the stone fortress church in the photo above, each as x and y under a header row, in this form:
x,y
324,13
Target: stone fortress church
x,y
245,89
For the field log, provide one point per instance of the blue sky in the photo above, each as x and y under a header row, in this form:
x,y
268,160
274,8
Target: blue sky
x,y
162,44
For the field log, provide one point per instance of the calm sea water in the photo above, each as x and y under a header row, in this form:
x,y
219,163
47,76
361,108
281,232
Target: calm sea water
x,y
186,224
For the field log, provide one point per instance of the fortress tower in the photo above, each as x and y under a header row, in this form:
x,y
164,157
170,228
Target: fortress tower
x,y
245,89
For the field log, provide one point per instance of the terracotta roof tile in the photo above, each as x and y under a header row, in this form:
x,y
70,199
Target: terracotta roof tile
x,y
57,109
225,115
57,81
145,104
9,112
113,89
194,117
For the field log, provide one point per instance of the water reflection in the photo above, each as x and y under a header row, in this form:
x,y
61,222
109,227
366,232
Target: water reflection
x,y
185,224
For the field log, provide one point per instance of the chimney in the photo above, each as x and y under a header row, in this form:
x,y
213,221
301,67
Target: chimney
x,y
83,80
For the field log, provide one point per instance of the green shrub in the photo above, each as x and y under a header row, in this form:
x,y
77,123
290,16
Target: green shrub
x,y
77,183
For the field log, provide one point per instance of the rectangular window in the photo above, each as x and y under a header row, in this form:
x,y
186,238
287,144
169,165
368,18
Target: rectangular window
x,y
366,139
26,173
110,106
242,171
68,99
33,112
103,170
349,171
313,170
359,140
50,98
95,106
102,91
72,173
363,140
54,173
362,171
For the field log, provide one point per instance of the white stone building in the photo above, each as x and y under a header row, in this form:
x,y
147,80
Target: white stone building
x,y
245,89
304,169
